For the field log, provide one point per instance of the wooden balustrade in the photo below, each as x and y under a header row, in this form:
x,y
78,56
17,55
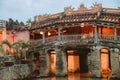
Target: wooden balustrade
x,y
105,37
77,38
51,39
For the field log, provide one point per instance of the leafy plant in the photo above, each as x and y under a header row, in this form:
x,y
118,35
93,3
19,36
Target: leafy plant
x,y
6,43
21,47
2,49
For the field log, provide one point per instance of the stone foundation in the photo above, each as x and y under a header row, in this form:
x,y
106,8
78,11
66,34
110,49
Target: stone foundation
x,y
61,63
114,58
44,64
94,63
14,72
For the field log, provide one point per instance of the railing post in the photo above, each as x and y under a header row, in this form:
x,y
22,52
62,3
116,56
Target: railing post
x,y
115,32
96,33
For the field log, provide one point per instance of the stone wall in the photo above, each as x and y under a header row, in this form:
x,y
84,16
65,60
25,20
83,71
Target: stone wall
x,y
114,58
44,63
94,63
19,71
61,62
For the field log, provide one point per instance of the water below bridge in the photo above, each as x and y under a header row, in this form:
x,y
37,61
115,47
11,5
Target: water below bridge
x,y
73,76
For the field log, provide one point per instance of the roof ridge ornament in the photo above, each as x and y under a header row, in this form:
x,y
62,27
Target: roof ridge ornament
x,y
82,7
68,10
97,6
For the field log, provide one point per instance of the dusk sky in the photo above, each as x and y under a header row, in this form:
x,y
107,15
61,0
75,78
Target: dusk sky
x,y
25,9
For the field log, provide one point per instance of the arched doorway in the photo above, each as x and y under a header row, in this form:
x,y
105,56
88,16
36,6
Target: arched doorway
x,y
73,61
105,62
78,62
53,62
37,59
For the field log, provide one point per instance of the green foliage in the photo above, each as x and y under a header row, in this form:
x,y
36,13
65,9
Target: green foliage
x,y
21,23
2,49
7,43
29,21
11,24
19,48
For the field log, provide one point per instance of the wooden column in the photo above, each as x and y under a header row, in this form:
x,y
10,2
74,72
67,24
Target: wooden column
x,y
115,32
59,35
43,36
96,33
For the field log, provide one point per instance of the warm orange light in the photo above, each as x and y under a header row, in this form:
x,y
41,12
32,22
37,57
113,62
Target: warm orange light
x,y
104,61
71,51
104,50
82,24
73,63
74,76
106,72
49,33
53,62
41,32
53,52
64,31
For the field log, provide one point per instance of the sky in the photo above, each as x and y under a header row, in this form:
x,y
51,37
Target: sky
x,y
22,10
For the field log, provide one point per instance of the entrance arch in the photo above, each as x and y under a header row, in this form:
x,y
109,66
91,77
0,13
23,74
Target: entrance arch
x,y
105,62
78,61
73,61
52,55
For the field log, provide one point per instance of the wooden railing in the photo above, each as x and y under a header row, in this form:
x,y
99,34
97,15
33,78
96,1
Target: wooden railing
x,y
77,38
51,39
105,37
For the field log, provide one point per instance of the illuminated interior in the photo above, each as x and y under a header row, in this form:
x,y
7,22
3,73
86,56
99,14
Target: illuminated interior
x,y
104,59
105,30
105,62
77,62
78,30
88,29
73,61
53,62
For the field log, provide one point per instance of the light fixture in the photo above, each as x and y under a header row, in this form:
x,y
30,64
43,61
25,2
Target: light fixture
x,y
49,33
41,32
82,24
64,31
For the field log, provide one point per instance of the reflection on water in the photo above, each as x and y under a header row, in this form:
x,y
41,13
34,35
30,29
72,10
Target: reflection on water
x,y
73,76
